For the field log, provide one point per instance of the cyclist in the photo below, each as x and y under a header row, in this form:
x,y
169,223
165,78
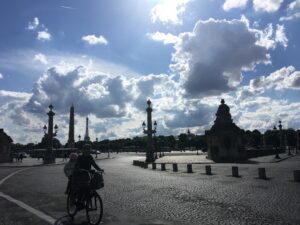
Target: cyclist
x,y
81,178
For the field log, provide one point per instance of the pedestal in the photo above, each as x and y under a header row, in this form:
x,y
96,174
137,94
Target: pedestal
x,y
49,157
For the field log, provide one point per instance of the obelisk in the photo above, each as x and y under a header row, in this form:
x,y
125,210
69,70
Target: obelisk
x,y
71,128
86,136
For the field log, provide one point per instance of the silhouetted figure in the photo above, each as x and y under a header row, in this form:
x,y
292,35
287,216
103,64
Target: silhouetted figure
x,y
65,157
21,157
81,178
69,169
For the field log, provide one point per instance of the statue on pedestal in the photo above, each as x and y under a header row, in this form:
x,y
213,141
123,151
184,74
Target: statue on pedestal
x,y
224,139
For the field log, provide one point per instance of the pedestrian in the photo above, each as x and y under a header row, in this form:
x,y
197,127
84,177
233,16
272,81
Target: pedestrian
x,y
65,157
69,169
21,157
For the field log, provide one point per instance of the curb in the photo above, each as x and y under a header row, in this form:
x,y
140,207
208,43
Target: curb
x,y
279,160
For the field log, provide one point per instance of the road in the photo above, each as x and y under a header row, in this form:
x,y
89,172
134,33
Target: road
x,y
133,195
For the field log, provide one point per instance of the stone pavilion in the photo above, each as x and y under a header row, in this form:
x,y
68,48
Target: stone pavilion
x,y
5,147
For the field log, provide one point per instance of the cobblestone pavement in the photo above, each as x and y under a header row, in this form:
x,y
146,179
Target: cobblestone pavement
x,y
133,195
29,162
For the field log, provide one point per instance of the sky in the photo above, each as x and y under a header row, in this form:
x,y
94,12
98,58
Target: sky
x,y
108,57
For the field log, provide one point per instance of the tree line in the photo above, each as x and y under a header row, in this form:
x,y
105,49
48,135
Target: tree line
x,y
184,141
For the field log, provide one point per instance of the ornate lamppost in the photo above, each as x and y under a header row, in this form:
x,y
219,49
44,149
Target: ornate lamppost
x,y
287,144
276,147
280,135
189,138
155,140
149,131
49,156
298,141
96,148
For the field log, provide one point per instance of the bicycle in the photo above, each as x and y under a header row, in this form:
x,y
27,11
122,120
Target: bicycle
x,y
90,200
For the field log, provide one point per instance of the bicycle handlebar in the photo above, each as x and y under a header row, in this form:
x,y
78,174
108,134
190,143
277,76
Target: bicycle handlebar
x,y
91,171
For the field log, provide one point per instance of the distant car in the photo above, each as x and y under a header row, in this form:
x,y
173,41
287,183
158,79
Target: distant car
x,y
93,151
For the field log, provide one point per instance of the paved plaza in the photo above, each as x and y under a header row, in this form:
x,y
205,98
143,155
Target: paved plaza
x,y
133,195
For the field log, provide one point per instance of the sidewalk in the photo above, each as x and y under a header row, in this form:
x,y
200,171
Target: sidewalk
x,y
272,159
201,158
32,162
181,158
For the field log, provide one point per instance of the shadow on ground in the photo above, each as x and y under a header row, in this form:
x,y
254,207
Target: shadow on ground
x,y
66,220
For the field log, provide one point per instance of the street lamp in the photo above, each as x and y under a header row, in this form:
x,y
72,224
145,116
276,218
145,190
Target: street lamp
x,y
155,140
287,145
49,156
190,140
96,148
149,131
108,154
297,140
276,148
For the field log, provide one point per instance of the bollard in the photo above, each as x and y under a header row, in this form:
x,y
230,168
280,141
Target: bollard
x,y
163,166
175,167
297,175
142,164
145,165
154,166
235,171
189,168
208,170
262,173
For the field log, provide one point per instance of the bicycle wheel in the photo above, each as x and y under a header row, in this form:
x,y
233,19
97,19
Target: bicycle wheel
x,y
71,206
94,209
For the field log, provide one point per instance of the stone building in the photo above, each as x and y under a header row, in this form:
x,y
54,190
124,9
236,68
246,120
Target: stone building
x,y
224,139
5,147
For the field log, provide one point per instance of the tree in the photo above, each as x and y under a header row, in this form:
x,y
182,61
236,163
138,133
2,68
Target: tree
x,y
272,138
182,141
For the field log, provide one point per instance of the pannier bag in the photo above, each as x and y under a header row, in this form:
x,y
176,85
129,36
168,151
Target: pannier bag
x,y
97,181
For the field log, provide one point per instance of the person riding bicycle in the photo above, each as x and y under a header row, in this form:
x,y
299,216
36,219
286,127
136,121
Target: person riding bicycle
x,y
81,178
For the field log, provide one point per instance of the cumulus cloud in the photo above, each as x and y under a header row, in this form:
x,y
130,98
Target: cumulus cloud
x,y
284,78
267,5
294,5
12,118
163,37
292,11
160,86
44,35
231,4
32,25
41,58
280,36
1,76
212,57
255,113
169,11
98,94
197,114
94,40
270,38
